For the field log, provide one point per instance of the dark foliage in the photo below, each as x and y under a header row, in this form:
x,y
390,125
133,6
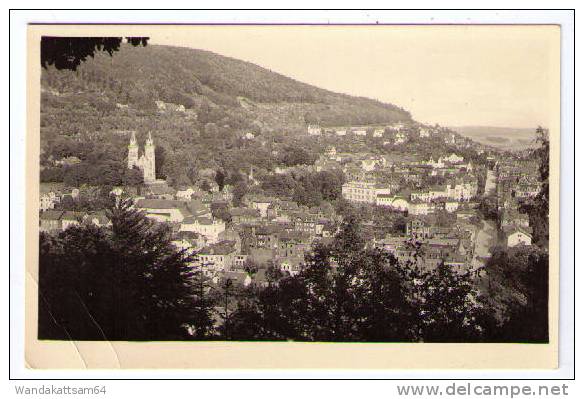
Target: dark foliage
x,y
518,285
69,52
127,283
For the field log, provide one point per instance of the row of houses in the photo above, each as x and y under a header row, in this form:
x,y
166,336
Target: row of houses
x,y
429,252
51,221
399,131
417,202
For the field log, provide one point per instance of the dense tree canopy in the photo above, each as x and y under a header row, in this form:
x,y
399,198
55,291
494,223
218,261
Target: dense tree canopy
x,y
127,283
69,52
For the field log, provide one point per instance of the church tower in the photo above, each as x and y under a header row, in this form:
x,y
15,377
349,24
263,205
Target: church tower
x,y
149,161
132,152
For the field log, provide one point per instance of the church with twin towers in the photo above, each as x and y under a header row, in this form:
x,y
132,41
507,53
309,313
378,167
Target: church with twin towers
x,y
147,162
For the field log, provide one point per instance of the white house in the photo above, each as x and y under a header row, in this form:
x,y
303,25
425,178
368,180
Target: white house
x,y
208,227
48,201
435,164
291,265
357,191
71,218
518,236
331,152
185,195
400,138
378,132
262,205
453,158
420,208
451,206
368,165
341,132
313,130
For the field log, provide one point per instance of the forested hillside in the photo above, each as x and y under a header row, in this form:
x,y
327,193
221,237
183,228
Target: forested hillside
x,y
197,79
209,102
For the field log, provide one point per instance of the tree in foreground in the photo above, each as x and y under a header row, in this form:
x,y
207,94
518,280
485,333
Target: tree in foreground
x,y
127,283
518,289
69,52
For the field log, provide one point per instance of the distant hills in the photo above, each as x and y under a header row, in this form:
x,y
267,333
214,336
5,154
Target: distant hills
x,y
500,137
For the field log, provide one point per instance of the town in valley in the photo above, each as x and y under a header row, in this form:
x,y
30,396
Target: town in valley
x,y
248,185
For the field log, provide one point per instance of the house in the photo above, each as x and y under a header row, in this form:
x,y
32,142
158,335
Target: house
x,y
331,152
391,243
359,191
424,132
466,214
360,132
456,262
68,161
418,207
71,218
384,200
313,130
266,236
293,244
50,221
400,138
398,203
435,164
368,165
245,215
240,261
197,208
162,210
451,206
262,205
517,236
172,211
378,132
324,163
329,230
514,218
186,194
450,139
341,132
49,200
209,228
453,158
219,257
418,228
188,240
98,219
291,264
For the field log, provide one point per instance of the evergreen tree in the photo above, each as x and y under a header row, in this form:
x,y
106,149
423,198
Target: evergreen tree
x,y
127,283
448,307
201,322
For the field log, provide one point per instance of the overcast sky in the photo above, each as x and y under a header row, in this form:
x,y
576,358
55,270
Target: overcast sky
x,y
451,75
